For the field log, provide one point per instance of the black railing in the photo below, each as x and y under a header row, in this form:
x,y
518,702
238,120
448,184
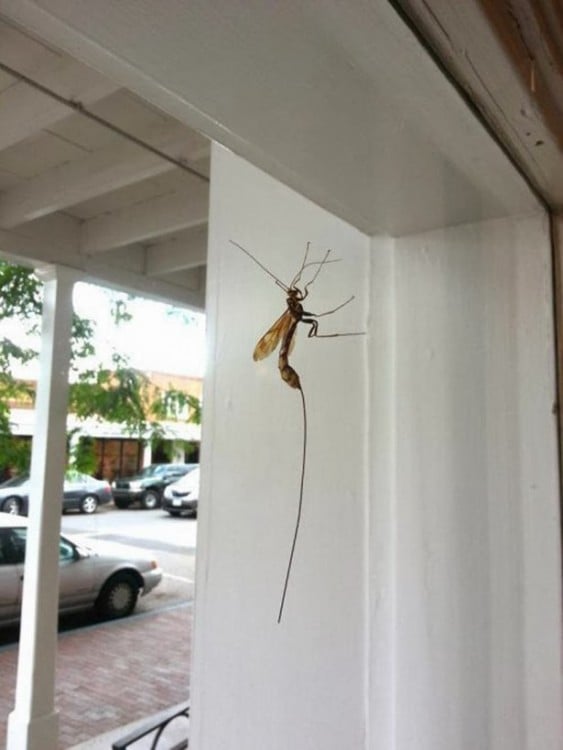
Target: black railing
x,y
157,728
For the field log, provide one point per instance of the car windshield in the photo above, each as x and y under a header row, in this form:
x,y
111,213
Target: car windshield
x,y
16,481
152,470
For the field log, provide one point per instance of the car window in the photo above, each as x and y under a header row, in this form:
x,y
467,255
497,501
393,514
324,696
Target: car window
x,y
6,554
15,481
66,550
148,471
18,537
18,540
182,469
73,476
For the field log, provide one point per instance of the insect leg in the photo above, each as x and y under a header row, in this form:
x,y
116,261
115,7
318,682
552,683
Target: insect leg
x,y
314,327
329,312
310,315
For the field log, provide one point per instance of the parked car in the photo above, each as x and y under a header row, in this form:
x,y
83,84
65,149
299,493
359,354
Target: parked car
x,y
147,486
107,577
182,497
80,492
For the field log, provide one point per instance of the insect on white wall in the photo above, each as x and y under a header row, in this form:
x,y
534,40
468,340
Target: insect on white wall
x,y
283,333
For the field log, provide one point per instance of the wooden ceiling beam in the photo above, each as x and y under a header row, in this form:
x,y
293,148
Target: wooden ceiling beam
x,y
26,111
186,251
144,221
54,240
110,168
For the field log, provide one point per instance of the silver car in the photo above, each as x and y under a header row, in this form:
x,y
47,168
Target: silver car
x,y
80,492
106,578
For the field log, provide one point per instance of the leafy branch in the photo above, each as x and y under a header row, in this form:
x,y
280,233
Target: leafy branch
x,y
119,394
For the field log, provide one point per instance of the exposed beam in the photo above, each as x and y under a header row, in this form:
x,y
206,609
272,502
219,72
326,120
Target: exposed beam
x,y
143,221
191,279
26,111
27,52
110,168
186,251
120,270
49,240
98,270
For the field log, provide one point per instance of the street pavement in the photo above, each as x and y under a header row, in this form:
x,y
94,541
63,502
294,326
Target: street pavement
x,y
113,674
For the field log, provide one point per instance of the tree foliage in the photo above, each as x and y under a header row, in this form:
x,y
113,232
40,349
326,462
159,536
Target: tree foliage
x,y
118,394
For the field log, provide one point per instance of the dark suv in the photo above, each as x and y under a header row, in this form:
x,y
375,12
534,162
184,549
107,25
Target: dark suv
x,y
147,486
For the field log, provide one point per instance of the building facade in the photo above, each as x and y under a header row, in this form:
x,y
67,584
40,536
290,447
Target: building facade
x,y
116,451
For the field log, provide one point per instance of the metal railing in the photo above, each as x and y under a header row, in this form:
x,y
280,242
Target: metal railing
x,y
157,727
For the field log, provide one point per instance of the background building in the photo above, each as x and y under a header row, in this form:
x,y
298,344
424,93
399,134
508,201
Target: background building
x,y
119,453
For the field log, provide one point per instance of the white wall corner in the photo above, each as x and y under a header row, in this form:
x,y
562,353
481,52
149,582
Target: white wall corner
x,y
380,528
476,550
299,684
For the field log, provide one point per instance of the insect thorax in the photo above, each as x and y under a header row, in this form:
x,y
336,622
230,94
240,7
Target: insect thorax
x,y
294,302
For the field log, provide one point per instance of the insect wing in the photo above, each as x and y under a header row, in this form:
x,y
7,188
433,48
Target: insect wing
x,y
272,337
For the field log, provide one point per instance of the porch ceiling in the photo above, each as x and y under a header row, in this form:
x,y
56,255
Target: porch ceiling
x,y
74,191
339,100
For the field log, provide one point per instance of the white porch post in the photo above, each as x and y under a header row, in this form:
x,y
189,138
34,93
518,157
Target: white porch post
x,y
147,454
178,454
33,724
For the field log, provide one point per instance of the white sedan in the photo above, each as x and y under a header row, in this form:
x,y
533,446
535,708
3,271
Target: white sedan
x,y
107,578
182,497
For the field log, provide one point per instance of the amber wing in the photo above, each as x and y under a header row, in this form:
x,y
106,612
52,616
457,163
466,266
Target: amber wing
x,y
272,337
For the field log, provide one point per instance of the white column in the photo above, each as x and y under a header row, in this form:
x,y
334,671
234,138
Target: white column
x,y
33,724
304,678
178,455
147,454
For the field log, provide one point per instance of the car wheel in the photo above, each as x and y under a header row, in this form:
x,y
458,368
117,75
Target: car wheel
x,y
89,504
12,506
150,500
121,504
118,596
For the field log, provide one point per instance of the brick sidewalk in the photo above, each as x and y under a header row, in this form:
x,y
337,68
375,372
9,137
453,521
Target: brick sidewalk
x,y
112,674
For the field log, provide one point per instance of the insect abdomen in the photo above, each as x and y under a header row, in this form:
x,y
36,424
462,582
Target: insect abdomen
x,y
288,374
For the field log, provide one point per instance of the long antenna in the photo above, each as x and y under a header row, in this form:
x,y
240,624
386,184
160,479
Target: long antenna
x,y
262,266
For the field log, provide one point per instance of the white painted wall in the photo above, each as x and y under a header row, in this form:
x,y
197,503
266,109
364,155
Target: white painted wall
x,y
424,611
465,610
300,684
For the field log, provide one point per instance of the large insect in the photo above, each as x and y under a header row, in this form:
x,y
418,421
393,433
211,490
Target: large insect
x,y
283,333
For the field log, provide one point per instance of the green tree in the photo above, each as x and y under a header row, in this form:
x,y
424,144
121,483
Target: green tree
x,y
119,394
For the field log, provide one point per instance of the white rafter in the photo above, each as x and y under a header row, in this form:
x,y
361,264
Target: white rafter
x,y
57,234
187,250
116,166
26,111
55,239
94,201
146,220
